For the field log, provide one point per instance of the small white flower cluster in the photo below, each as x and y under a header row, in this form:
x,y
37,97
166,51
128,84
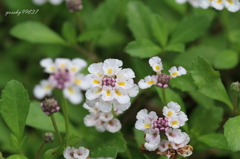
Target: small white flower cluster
x,y
73,153
163,134
231,5
160,79
110,85
53,2
64,75
101,120
110,92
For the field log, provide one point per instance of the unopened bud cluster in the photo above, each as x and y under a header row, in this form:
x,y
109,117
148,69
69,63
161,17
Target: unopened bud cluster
x,y
74,5
49,106
162,135
48,137
161,79
235,86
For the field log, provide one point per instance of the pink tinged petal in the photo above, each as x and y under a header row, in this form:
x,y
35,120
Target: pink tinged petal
x,y
163,146
113,125
152,136
106,116
150,146
81,153
91,120
100,126
68,152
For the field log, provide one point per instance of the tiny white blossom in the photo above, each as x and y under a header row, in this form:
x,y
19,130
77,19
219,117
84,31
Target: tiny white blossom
x,y
41,2
218,4
174,72
147,82
232,5
145,120
152,140
73,153
156,64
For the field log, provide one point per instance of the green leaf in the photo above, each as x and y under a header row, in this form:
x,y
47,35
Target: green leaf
x,y
18,156
231,132
69,32
214,140
104,152
159,29
106,13
184,83
35,32
208,81
171,96
139,18
92,33
14,107
142,48
15,143
39,120
207,121
190,29
234,36
176,47
226,59
54,153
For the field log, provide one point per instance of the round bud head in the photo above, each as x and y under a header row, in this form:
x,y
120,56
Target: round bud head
x,y
48,137
163,80
235,86
74,5
50,106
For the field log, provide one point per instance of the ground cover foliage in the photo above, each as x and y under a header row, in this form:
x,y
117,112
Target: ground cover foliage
x,y
203,41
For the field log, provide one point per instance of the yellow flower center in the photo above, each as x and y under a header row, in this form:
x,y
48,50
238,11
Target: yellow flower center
x,y
150,82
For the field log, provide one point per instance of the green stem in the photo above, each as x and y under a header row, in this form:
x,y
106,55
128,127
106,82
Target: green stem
x,y
164,96
128,153
81,28
56,128
235,104
65,113
39,150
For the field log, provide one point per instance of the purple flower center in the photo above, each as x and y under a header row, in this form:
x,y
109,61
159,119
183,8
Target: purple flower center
x,y
161,124
61,77
109,81
163,80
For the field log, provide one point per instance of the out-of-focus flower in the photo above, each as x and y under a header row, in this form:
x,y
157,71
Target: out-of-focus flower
x,y
111,85
48,137
53,2
73,153
74,5
231,5
64,75
161,79
101,120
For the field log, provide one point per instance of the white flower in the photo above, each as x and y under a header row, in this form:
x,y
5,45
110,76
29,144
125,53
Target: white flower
x,y
218,4
152,140
113,125
111,85
232,5
43,89
81,153
194,3
163,145
145,120
171,109
147,82
64,75
174,72
68,153
175,135
181,1
72,153
205,3
156,64
41,2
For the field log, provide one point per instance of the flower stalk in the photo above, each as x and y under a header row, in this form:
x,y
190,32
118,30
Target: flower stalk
x,y
65,113
56,128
